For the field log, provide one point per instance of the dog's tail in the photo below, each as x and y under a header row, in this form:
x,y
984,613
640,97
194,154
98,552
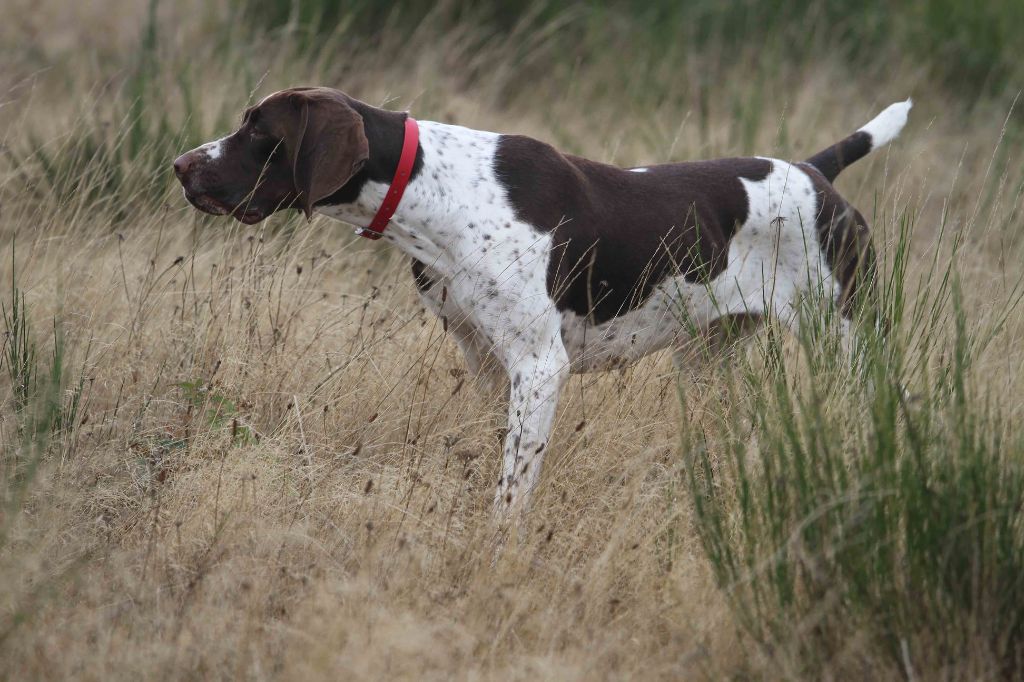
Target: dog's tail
x,y
881,130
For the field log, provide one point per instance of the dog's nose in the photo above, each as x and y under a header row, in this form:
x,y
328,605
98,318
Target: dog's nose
x,y
182,164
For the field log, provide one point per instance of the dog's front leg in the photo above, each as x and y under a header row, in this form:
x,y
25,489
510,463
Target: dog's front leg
x,y
536,378
528,343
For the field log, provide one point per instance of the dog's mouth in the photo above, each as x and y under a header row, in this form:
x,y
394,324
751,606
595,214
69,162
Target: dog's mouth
x,y
207,204
241,213
249,217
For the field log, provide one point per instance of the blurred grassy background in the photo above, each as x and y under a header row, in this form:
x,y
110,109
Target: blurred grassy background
x,y
968,48
642,57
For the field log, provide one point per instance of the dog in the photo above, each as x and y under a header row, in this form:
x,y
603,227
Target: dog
x,y
540,263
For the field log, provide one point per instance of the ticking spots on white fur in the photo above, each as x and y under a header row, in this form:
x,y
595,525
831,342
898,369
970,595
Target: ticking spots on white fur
x,y
213,149
488,272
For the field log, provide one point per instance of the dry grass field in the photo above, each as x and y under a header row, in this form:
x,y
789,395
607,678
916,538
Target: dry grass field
x,y
234,452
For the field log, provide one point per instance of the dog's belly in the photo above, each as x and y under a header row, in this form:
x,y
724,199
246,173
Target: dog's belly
x,y
669,317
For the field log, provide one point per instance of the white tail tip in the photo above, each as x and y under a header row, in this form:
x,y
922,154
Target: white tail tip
x,y
887,125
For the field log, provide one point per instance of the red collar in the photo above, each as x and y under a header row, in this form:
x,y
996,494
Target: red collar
x,y
398,183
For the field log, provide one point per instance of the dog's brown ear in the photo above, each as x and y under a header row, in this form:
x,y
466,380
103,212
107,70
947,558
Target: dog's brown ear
x,y
326,144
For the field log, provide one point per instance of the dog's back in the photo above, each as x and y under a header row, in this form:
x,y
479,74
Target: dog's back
x,y
619,233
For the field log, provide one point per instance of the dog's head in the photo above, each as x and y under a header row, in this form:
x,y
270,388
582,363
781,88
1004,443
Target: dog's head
x,y
293,149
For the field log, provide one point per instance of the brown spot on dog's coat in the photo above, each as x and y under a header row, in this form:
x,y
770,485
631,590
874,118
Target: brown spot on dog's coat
x,y
618,234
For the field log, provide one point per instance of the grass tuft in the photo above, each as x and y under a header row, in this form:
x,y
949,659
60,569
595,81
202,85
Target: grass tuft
x,y
849,517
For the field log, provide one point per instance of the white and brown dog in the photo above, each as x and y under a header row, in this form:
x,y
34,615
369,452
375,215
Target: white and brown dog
x,y
542,263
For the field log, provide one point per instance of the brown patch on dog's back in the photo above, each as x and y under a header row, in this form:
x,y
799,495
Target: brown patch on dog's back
x,y
619,233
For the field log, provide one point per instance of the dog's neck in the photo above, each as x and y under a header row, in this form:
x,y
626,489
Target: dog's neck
x,y
450,164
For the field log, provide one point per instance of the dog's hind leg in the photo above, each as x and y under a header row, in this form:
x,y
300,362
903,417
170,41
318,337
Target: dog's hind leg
x,y
713,348
851,255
